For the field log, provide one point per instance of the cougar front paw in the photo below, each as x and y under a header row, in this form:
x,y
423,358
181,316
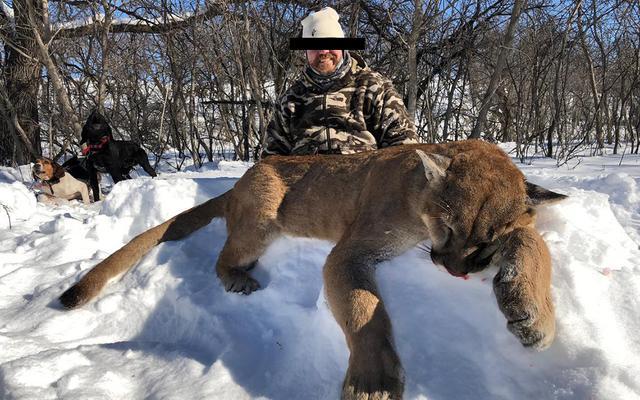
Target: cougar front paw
x,y
530,315
537,333
376,375
239,281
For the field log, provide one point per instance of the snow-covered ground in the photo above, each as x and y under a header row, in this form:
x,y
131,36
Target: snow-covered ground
x,y
168,330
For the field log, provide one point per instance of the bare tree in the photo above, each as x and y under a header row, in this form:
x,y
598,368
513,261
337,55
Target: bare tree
x,y
193,80
497,73
22,81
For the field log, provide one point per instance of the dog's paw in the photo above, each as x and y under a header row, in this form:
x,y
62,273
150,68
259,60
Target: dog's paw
x,y
376,375
239,281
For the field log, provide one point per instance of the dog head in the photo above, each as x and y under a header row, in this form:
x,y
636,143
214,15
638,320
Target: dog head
x,y
95,128
46,169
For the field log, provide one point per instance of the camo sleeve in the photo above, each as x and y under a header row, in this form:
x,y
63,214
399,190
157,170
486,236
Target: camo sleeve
x,y
391,123
277,137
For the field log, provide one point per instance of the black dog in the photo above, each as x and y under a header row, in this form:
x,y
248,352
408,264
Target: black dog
x,y
105,154
78,168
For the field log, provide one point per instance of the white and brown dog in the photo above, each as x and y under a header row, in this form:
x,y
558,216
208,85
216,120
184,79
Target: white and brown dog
x,y
57,184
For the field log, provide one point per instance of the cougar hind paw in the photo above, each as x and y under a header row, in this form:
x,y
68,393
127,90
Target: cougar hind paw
x,y
239,281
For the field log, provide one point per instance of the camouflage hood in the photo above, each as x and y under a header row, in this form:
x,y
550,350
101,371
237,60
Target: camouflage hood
x,y
358,112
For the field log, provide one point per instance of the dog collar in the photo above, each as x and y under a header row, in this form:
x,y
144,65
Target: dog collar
x,y
50,183
94,148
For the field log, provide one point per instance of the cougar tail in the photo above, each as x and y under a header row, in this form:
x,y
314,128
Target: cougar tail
x,y
128,255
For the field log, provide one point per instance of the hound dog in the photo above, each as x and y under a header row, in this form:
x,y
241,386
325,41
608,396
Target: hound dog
x,y
57,184
79,168
105,154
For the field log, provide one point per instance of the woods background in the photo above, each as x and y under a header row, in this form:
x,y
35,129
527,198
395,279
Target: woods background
x,y
197,78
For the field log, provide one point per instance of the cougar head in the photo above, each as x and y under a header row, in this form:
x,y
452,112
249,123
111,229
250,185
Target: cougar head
x,y
474,199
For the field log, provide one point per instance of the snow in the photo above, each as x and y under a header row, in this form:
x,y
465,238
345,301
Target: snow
x,y
168,330
121,20
17,203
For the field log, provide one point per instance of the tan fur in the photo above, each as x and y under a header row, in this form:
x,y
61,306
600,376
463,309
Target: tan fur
x,y
68,187
466,197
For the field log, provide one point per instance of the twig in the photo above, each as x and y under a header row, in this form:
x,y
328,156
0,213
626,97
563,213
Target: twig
x,y
6,209
623,151
162,146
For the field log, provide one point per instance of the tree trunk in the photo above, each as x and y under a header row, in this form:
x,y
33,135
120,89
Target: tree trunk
x,y
495,77
556,83
412,59
597,97
22,74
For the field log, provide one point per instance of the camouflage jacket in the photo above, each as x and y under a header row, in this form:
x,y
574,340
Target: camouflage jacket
x,y
360,111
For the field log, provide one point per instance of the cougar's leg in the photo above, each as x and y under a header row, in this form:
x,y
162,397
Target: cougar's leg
x,y
239,254
375,371
523,288
251,226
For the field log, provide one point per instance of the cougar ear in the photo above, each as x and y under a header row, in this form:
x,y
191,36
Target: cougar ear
x,y
435,165
537,195
58,171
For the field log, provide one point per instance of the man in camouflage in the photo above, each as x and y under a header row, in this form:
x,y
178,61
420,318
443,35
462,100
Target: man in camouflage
x,y
339,106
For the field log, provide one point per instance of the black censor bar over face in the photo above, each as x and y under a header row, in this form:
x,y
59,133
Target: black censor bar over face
x,y
326,43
